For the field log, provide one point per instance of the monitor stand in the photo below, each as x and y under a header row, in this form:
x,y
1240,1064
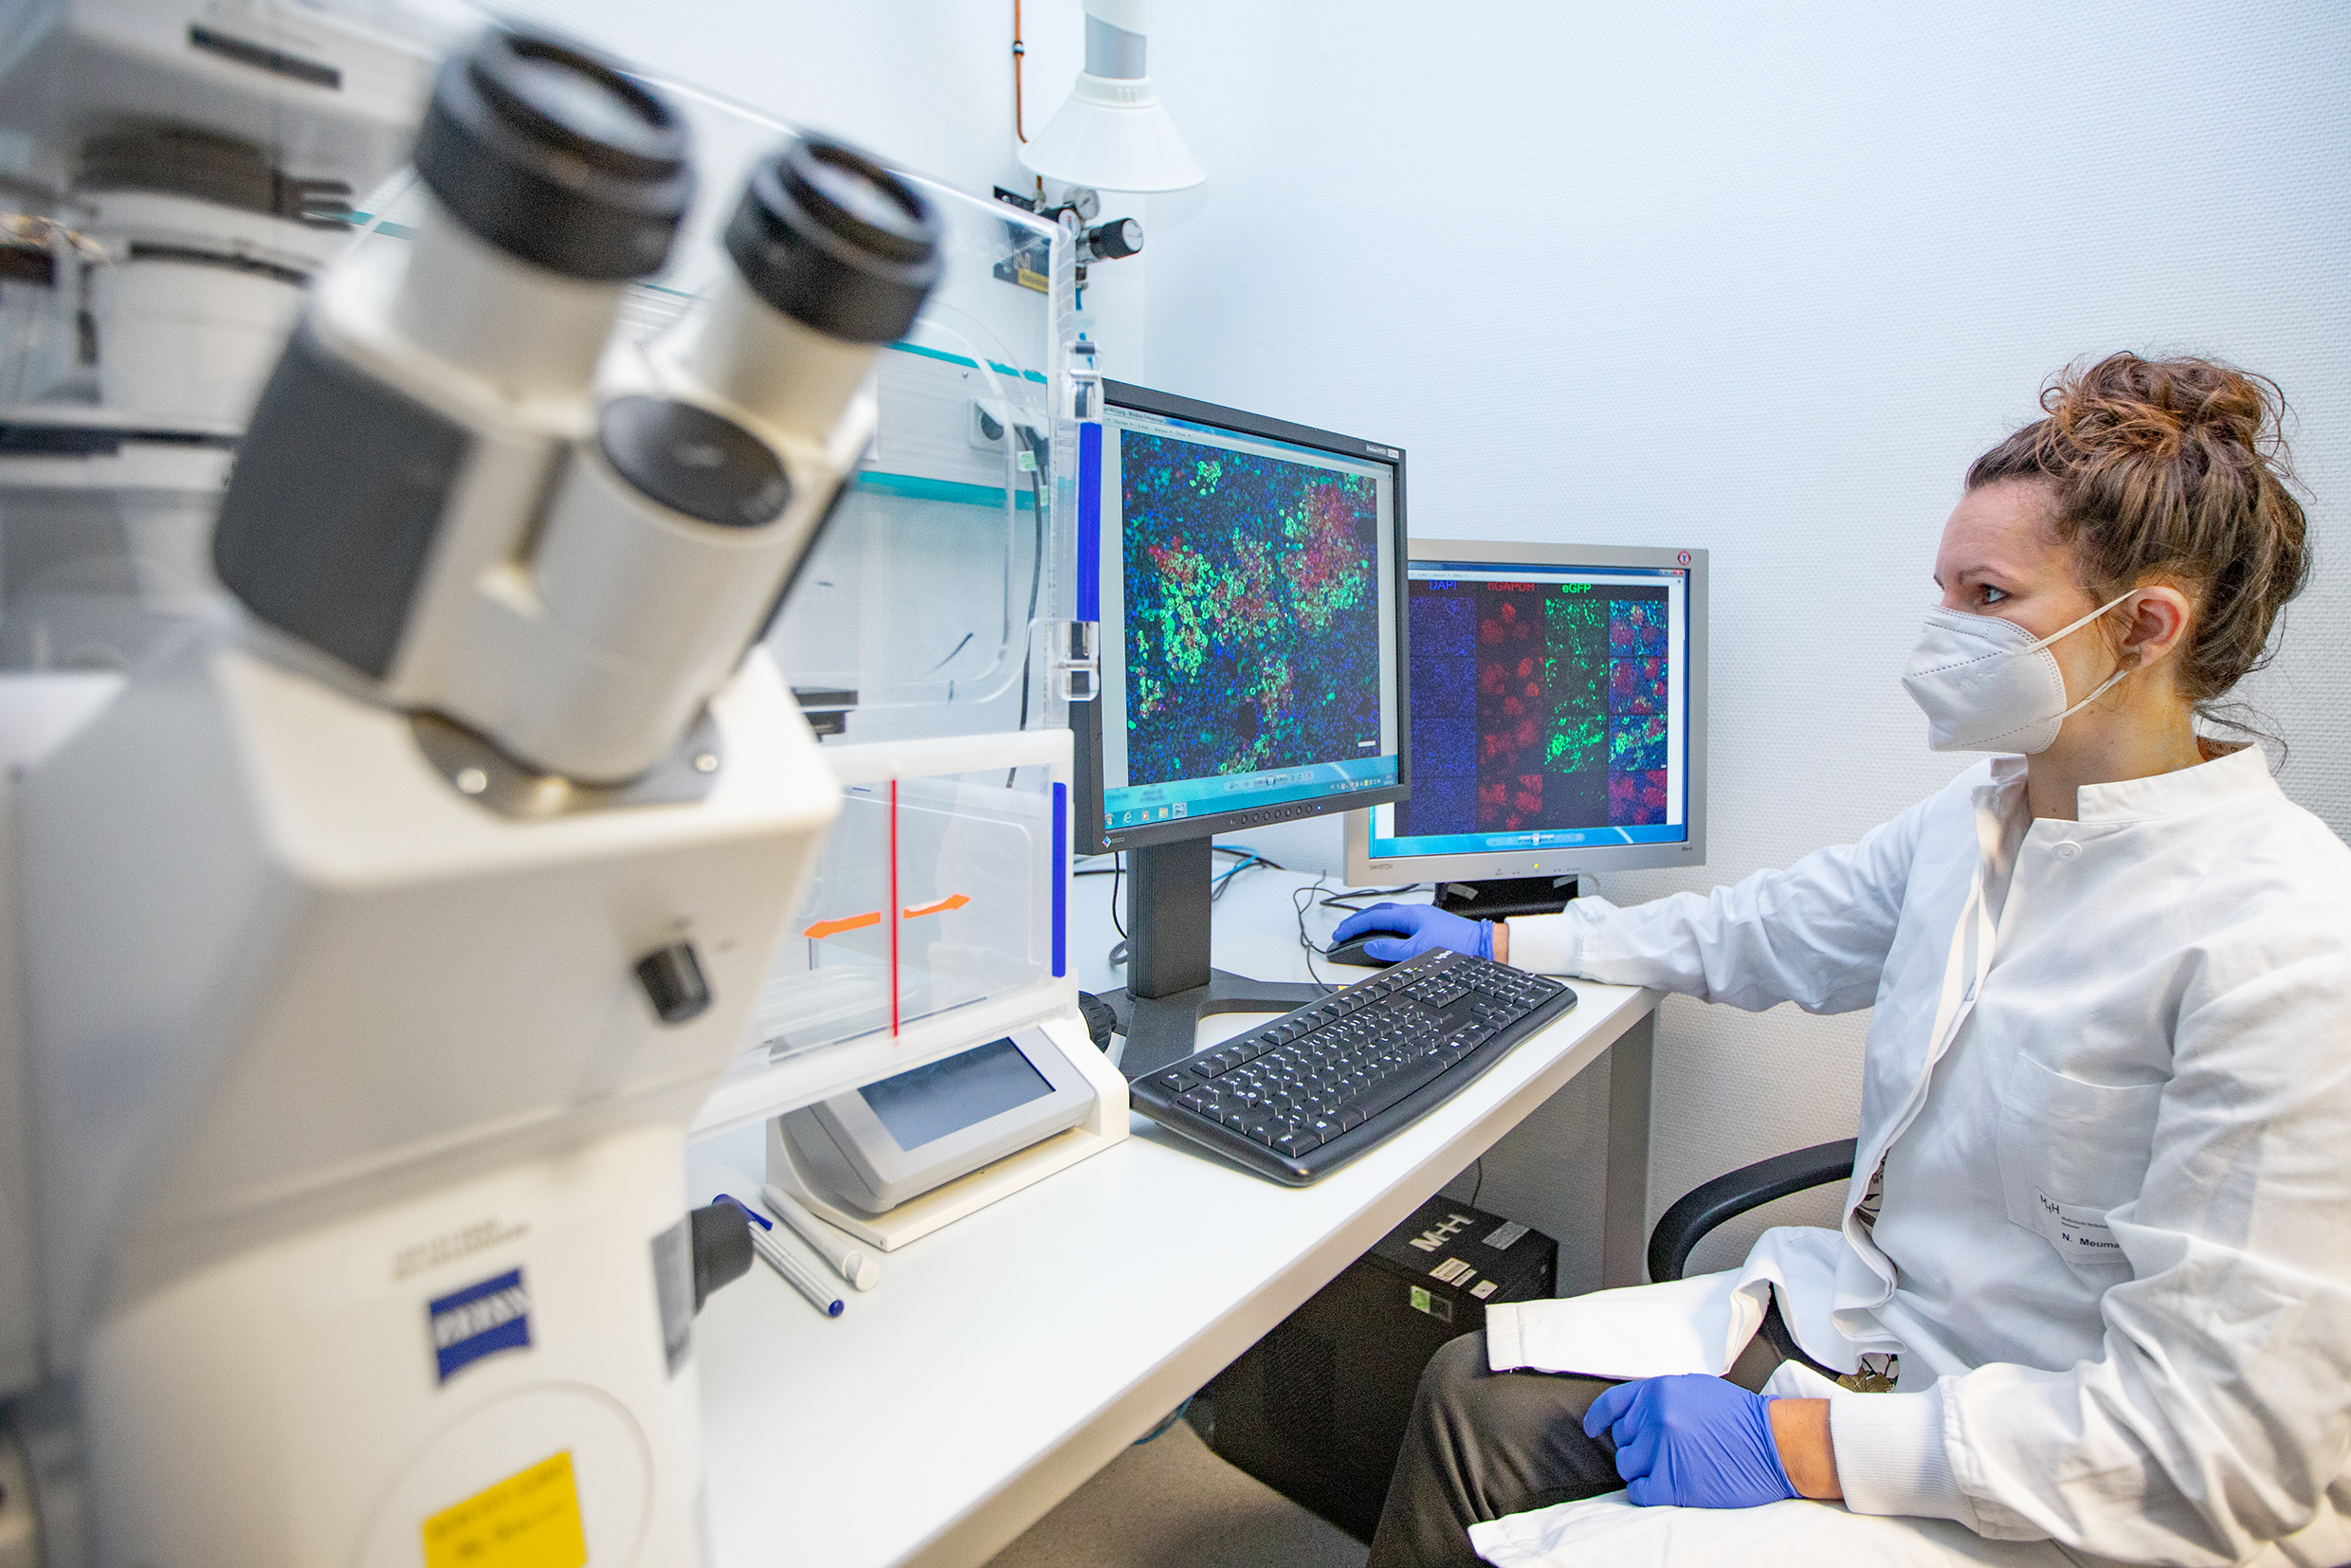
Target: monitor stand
x,y
1170,984
1506,896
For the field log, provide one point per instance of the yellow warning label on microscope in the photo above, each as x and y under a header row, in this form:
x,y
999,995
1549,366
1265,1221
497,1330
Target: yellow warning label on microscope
x,y
530,1519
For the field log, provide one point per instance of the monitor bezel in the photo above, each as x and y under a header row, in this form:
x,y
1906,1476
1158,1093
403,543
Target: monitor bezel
x,y
1086,718
1484,866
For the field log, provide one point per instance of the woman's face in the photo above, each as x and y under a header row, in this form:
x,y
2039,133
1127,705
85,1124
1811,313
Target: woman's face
x,y
2000,558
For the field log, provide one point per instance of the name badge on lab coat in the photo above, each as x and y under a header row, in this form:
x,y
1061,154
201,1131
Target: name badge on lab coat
x,y
2080,1234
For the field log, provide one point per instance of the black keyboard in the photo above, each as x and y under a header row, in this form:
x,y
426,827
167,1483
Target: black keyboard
x,y
1308,1092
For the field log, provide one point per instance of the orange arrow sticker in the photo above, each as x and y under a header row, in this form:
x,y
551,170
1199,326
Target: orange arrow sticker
x,y
847,922
953,900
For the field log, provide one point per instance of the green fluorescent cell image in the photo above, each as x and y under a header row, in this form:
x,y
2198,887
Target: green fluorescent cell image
x,y
1252,611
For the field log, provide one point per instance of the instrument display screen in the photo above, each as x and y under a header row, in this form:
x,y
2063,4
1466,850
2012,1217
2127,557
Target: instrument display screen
x,y
926,1104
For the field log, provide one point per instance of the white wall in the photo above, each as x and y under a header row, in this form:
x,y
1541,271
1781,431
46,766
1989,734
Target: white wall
x,y
926,84
1762,279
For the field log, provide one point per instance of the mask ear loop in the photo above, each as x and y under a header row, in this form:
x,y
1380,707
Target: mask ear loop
x,y
2111,681
2066,631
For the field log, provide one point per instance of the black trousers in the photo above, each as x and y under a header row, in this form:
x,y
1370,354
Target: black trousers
x,y
1484,1444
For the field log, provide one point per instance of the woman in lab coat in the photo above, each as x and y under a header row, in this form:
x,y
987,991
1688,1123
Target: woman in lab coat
x,y
2101,1216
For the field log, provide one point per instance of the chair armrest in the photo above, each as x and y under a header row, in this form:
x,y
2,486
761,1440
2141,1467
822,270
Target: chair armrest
x,y
1727,1197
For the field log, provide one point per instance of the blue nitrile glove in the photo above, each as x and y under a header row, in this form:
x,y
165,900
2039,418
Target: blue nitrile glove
x,y
1421,928
1691,1442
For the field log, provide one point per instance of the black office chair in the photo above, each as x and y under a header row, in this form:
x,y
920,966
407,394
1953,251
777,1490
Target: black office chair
x,y
1728,1196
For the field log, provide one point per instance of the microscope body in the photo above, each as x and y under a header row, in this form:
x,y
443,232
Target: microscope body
x,y
374,1194
381,939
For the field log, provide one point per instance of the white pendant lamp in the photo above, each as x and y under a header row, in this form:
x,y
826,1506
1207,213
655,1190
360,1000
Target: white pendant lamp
x,y
1114,134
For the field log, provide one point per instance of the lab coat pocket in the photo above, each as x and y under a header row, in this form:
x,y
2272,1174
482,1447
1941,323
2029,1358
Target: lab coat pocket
x,y
2069,1152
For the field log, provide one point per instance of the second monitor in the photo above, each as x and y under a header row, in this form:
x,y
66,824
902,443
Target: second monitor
x,y
1559,696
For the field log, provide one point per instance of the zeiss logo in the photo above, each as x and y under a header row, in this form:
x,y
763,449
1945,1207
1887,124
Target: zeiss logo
x,y
480,1319
1430,1241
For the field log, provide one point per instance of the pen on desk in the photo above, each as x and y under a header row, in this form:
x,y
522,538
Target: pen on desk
x,y
795,1269
860,1268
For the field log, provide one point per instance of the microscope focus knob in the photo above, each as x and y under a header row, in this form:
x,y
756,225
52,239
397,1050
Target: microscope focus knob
x,y
672,977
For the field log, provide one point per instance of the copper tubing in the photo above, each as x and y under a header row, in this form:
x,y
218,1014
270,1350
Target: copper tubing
x,y
1019,51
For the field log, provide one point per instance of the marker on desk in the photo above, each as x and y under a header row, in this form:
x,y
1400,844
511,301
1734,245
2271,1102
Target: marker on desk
x,y
860,1268
794,1270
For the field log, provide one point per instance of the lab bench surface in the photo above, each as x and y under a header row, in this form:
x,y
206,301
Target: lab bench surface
x,y
1004,1359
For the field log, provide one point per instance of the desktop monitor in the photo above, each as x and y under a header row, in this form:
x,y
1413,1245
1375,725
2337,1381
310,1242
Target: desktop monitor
x,y
1248,574
1558,722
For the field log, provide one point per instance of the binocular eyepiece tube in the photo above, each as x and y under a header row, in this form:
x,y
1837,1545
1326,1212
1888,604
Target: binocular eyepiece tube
x,y
833,257
554,180
570,543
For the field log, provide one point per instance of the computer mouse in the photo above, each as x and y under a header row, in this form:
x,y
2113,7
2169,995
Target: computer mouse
x,y
1351,951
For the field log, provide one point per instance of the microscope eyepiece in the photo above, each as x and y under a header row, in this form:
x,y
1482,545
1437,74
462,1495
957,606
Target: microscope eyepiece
x,y
829,238
553,155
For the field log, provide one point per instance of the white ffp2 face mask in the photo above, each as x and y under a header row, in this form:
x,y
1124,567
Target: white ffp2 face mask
x,y
1987,684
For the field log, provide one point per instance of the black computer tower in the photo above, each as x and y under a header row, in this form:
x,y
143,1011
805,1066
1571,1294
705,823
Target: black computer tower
x,y
1317,1409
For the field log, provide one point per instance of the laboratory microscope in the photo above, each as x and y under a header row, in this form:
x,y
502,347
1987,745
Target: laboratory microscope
x,y
381,937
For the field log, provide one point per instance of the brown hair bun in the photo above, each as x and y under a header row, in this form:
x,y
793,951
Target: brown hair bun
x,y
2174,471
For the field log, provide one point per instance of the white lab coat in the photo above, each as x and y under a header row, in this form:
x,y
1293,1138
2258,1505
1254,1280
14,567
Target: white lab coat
x,y
2113,1112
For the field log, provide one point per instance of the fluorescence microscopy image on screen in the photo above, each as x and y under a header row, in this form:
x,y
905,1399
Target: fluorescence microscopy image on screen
x,y
1636,744
1253,611
1636,686
1444,706
1636,627
1636,800
1537,705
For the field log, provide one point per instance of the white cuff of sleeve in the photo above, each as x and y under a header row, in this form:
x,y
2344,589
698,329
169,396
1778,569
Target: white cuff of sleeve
x,y
1503,1352
1890,1457
1546,944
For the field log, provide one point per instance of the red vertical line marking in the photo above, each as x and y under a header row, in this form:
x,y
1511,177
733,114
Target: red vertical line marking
x,y
893,908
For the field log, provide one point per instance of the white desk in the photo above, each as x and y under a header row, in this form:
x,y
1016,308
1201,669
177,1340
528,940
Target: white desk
x,y
1007,1358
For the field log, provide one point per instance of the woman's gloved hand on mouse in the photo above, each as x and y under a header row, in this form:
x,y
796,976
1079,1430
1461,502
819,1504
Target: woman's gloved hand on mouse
x,y
1419,928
